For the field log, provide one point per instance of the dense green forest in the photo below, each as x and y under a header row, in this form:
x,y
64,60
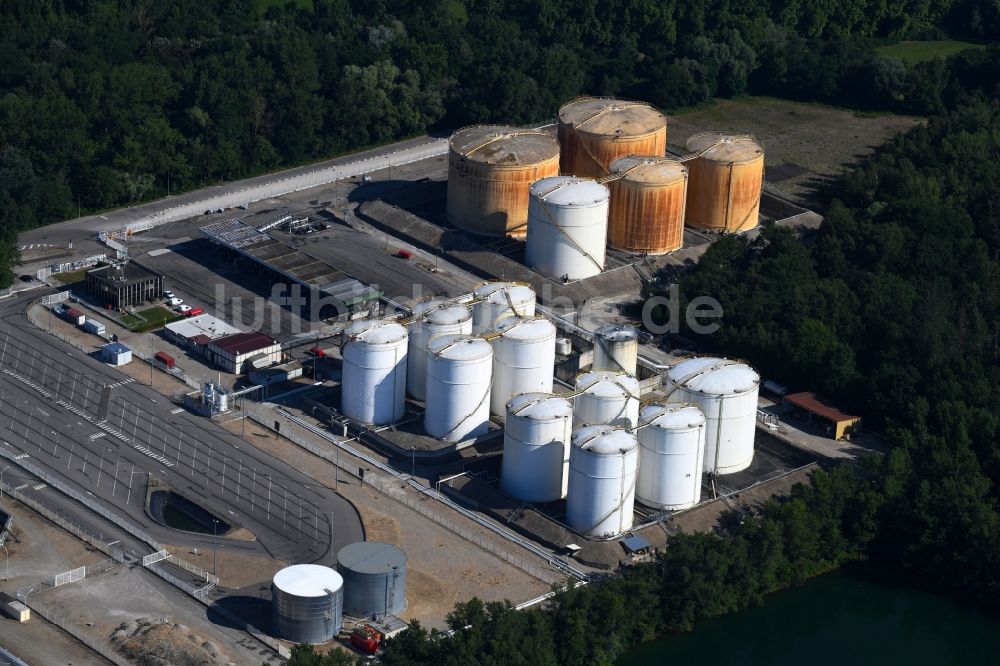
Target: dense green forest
x,y
104,103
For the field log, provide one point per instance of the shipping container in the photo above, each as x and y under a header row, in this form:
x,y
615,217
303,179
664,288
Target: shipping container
x,y
165,358
75,316
94,326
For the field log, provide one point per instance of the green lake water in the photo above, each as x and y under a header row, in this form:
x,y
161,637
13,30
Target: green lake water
x,y
840,619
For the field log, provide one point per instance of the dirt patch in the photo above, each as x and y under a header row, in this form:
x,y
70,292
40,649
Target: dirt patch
x,y
158,642
805,145
237,569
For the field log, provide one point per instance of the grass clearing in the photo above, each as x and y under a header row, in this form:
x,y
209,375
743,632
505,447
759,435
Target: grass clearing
x,y
150,319
912,52
71,277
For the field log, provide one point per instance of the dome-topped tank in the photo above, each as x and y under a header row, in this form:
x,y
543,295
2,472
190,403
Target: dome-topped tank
x,y
373,385
726,392
489,170
602,471
616,348
648,198
671,456
524,356
725,181
594,132
431,319
567,227
459,376
606,397
536,439
495,301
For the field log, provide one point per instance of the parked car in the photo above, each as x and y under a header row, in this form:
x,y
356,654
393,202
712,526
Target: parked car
x,y
243,206
174,301
183,308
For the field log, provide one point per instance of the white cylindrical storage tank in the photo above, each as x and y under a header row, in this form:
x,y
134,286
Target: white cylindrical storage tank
x,y
602,472
373,386
493,301
567,227
606,398
524,357
431,319
374,578
564,346
307,603
459,377
616,347
536,437
671,456
726,391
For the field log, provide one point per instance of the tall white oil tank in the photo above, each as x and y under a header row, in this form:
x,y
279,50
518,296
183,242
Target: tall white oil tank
x,y
616,347
373,388
671,456
431,319
307,603
459,377
567,227
524,357
536,437
726,391
606,397
602,474
495,301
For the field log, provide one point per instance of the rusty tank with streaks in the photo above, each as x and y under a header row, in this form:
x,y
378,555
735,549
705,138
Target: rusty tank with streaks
x,y
648,197
726,176
593,132
490,168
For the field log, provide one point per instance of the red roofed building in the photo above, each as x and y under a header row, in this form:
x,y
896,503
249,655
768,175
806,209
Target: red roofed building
x,y
840,423
232,352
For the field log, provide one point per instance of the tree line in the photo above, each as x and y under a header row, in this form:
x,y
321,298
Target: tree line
x,y
107,103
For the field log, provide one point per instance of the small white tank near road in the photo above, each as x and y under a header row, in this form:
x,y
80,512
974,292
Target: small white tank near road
x,y
726,392
602,472
431,319
536,437
459,378
606,397
616,347
373,387
567,227
524,356
671,456
307,603
495,301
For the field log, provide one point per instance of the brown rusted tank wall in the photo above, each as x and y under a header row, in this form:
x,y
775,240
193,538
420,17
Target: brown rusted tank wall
x,y
724,196
647,217
588,156
492,200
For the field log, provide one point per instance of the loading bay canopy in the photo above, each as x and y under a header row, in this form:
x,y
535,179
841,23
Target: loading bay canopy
x,y
289,262
840,422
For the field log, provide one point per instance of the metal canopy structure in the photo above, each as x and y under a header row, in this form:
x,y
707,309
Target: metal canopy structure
x,y
289,262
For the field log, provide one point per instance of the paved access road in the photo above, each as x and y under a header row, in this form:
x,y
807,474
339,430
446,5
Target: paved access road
x,y
107,435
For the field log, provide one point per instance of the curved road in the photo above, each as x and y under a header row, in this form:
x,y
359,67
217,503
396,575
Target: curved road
x,y
107,435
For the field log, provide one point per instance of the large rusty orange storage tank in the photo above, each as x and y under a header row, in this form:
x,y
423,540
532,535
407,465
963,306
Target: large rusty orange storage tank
x,y
594,132
726,177
647,204
490,168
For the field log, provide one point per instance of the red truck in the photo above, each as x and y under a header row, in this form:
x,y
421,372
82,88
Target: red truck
x,y
367,639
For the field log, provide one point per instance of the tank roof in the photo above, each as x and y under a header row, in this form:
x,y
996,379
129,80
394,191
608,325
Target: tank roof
x,y
526,328
721,147
672,416
649,170
493,292
371,557
540,406
612,117
502,145
308,580
375,332
607,383
617,332
435,311
569,191
715,376
604,439
458,347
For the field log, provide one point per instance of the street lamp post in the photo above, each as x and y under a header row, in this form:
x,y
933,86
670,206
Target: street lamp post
x,y
215,547
413,461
